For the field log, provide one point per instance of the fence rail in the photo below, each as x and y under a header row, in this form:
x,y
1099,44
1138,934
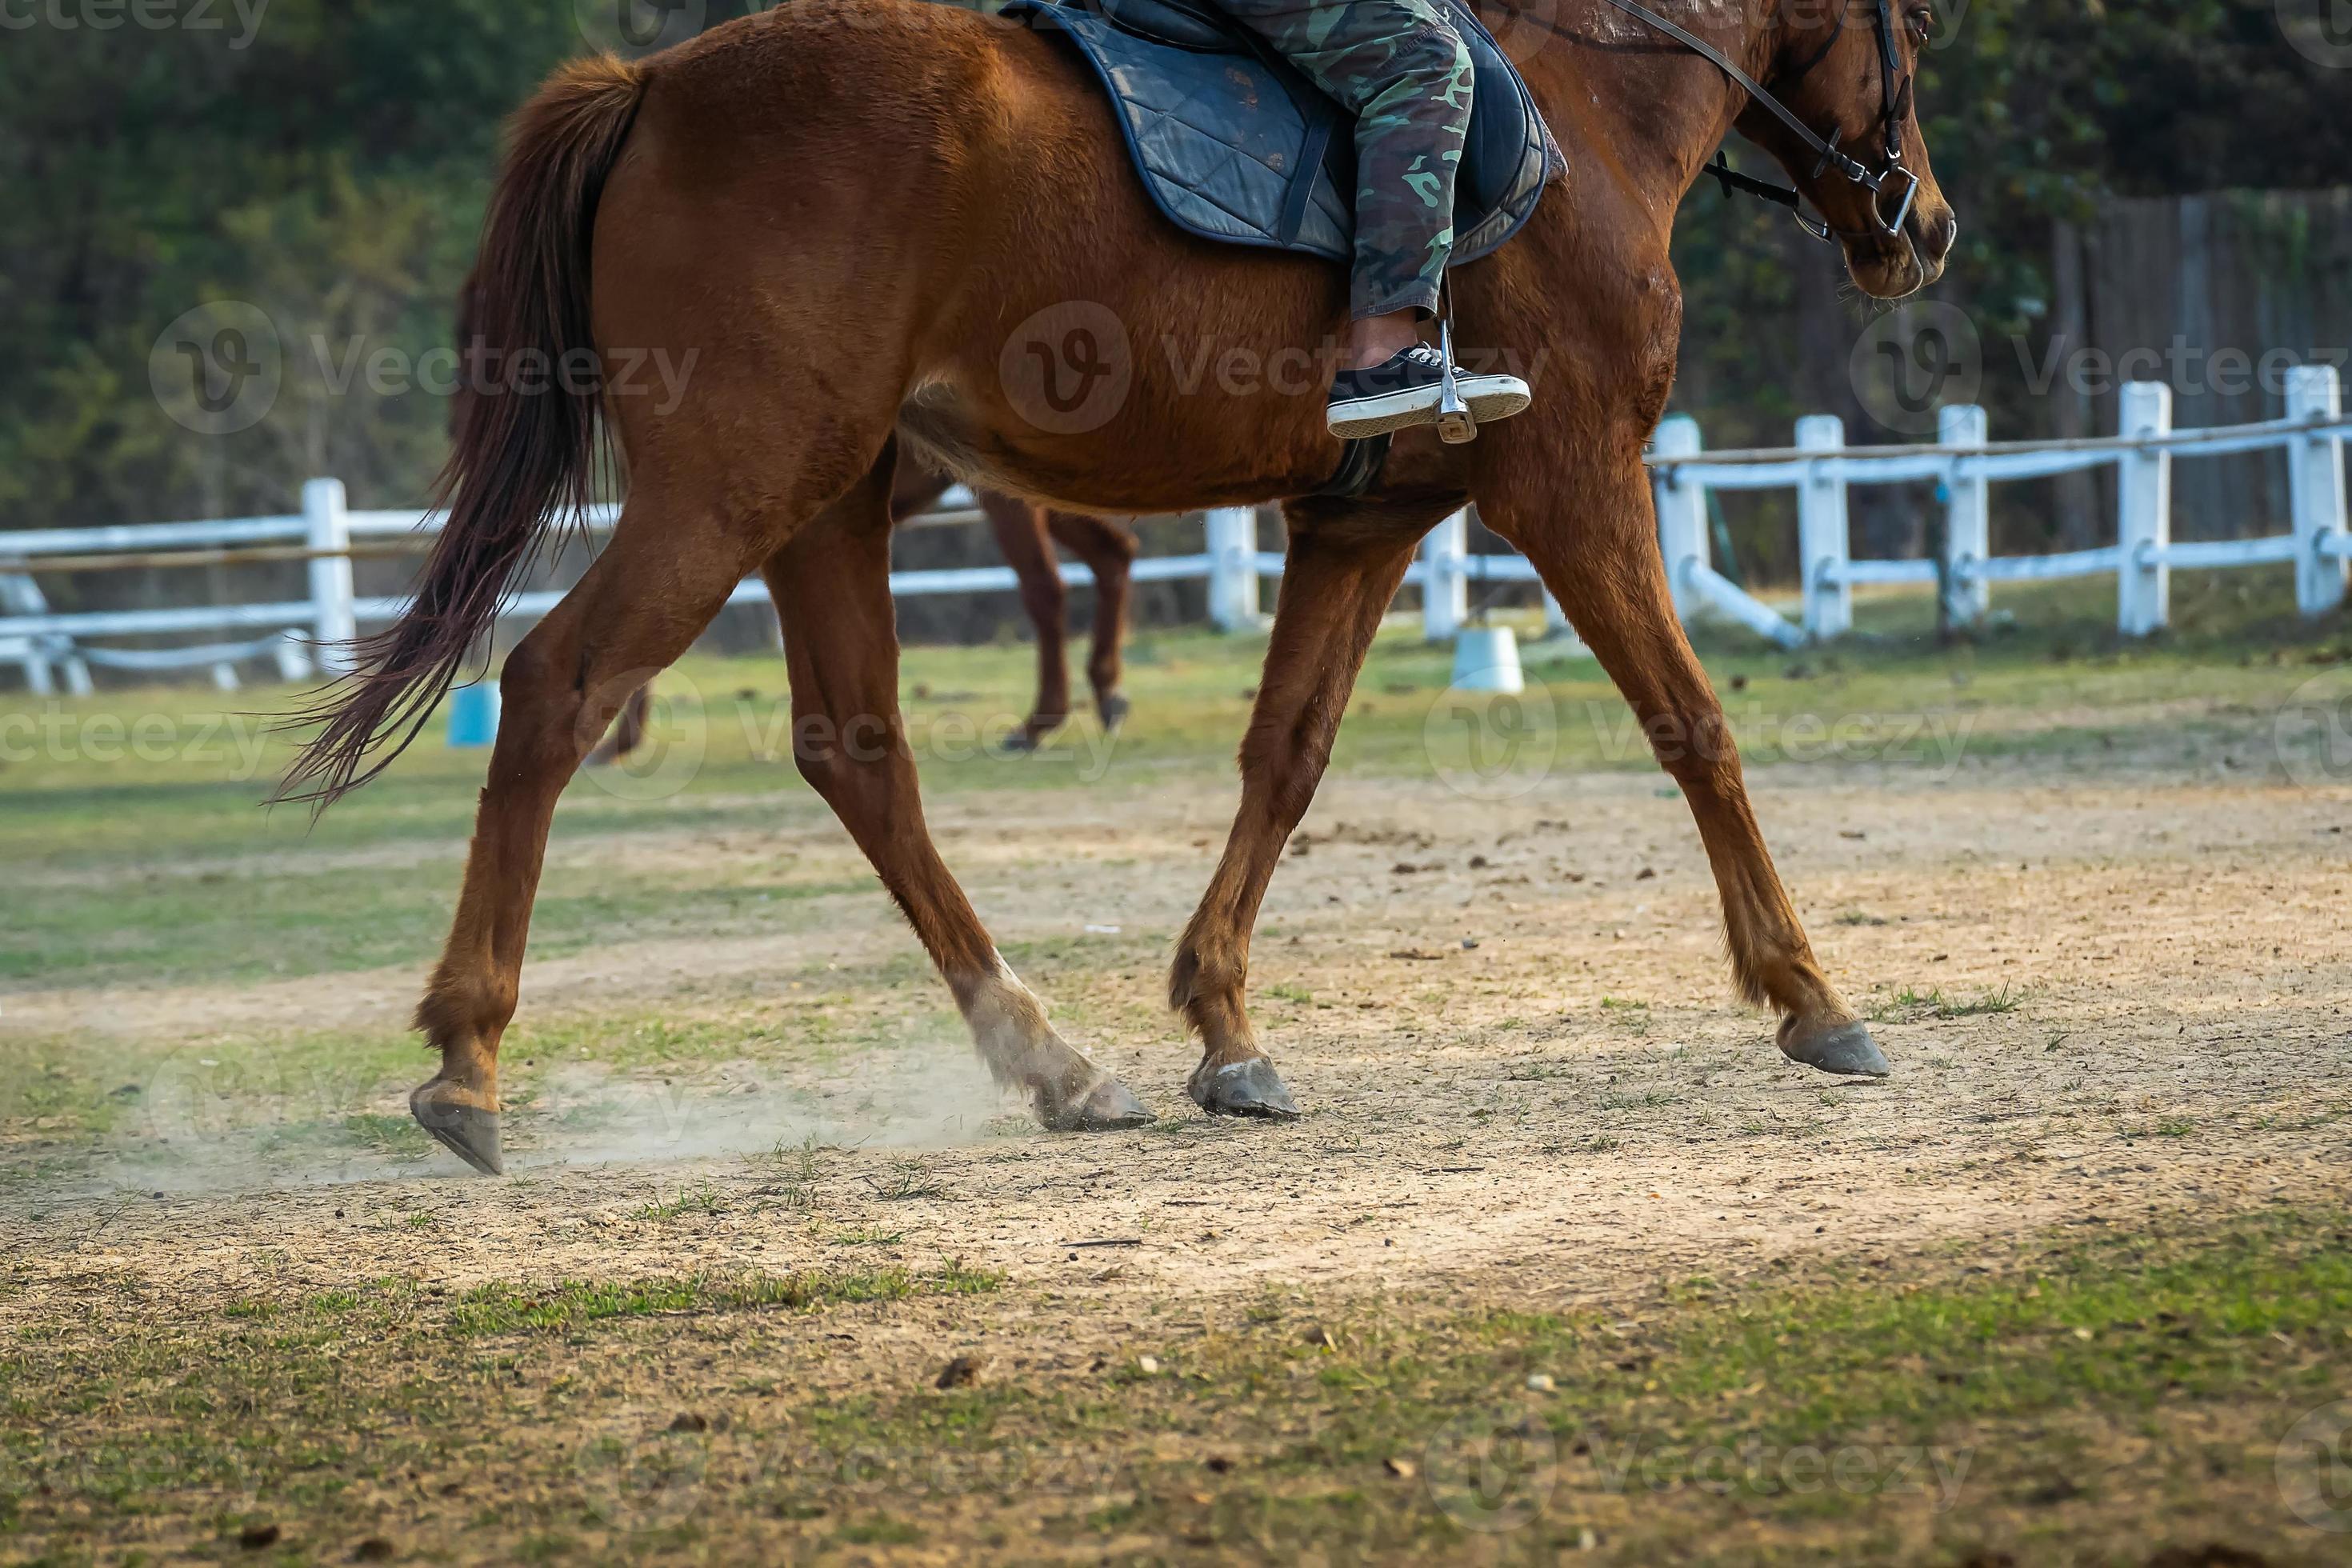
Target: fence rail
x,y
1821,468
327,537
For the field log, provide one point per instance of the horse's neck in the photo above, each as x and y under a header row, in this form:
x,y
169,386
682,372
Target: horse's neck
x,y
1617,90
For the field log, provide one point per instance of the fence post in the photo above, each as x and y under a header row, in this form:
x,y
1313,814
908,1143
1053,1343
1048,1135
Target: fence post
x,y
20,596
328,525
1233,567
1968,519
2144,512
1681,497
1821,529
2315,477
1445,578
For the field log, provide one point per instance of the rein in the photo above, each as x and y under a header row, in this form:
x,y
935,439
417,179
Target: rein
x,y
1896,91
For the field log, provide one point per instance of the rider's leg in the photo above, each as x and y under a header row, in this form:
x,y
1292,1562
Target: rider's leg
x,y
1403,69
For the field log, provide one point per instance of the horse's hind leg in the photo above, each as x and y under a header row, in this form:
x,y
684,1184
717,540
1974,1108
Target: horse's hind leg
x,y
1343,570
832,587
1589,529
1108,550
645,599
1020,529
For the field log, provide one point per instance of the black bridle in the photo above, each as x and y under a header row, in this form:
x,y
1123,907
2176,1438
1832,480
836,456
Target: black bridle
x,y
1896,96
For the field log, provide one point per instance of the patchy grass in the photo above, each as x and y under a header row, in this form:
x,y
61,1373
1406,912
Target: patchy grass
x,y
501,1309
1910,1003
2088,1397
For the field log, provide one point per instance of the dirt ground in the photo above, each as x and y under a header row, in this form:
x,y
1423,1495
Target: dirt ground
x,y
2106,998
1508,1023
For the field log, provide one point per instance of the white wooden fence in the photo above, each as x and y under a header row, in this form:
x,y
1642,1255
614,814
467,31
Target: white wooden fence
x,y
54,648
1820,468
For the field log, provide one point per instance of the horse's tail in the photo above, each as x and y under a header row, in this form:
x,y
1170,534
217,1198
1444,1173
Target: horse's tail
x,y
524,442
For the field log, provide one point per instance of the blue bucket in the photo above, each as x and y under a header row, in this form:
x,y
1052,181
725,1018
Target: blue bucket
x,y
474,715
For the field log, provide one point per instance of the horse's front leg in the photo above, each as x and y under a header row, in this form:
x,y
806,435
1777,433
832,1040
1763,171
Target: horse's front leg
x,y
1344,569
1588,526
832,588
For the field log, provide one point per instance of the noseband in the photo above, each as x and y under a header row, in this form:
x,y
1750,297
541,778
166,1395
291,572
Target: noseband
x,y
1883,184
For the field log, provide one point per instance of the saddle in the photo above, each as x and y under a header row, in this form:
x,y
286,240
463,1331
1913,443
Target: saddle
x,y
1233,144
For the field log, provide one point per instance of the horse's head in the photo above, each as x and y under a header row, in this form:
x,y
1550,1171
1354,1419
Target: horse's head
x,y
1846,67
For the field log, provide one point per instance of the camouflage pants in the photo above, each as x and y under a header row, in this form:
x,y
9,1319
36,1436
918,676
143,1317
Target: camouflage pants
x,y
1401,68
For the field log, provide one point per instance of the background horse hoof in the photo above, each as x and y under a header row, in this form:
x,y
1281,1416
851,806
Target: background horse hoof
x,y
1024,741
1104,1108
466,1130
1844,1048
1112,710
1242,1088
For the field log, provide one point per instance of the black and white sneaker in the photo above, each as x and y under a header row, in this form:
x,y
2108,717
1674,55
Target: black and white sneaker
x,y
1406,391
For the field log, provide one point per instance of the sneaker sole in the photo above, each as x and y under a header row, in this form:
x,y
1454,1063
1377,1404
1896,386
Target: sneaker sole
x,y
1488,398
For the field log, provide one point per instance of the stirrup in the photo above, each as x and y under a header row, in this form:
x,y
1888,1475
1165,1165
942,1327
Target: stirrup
x,y
1456,424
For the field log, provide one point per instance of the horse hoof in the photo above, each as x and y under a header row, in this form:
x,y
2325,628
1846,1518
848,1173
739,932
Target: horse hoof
x,y
462,1128
1021,741
1846,1048
1104,1108
1242,1088
1113,710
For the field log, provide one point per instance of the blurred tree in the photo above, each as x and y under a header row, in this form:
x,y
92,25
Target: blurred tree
x,y
332,169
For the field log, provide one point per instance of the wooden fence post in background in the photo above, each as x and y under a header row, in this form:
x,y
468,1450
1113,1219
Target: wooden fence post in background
x,y
328,525
1445,578
2315,478
1681,497
1821,529
1968,519
1233,567
2143,512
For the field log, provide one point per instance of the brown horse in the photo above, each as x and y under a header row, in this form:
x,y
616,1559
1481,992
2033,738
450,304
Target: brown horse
x,y
875,224
1025,533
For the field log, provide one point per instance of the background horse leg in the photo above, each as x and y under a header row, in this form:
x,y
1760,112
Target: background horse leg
x,y
627,731
1591,530
1108,550
1020,529
832,588
562,687
1343,570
